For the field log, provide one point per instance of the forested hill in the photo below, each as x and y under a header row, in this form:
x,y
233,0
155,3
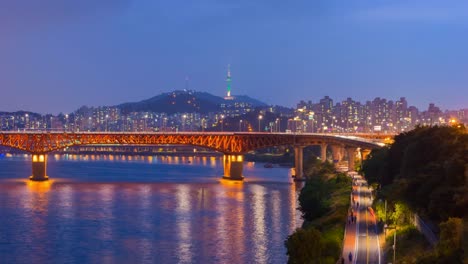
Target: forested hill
x,y
428,167
184,101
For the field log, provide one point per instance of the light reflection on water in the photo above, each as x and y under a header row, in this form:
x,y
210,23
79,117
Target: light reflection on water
x,y
123,209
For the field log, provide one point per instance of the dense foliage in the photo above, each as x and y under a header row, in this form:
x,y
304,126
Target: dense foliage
x,y
324,203
316,197
427,168
304,246
426,171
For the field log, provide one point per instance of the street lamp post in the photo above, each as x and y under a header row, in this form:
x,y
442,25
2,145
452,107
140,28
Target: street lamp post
x,y
222,123
240,125
394,246
385,211
26,121
146,122
394,241
259,119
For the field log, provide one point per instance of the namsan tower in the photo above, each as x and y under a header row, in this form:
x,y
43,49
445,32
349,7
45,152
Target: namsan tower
x,y
228,84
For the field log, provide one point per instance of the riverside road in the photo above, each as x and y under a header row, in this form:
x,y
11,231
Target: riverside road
x,y
361,238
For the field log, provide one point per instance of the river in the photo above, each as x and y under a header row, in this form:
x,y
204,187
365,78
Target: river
x,y
144,209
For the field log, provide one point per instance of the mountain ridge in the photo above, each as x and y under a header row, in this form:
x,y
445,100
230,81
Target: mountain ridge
x,y
185,101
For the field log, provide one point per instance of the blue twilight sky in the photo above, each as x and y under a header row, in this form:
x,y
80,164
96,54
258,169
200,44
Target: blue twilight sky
x,y
56,55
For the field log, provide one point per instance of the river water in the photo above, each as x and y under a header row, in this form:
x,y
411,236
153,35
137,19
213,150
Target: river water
x,y
136,209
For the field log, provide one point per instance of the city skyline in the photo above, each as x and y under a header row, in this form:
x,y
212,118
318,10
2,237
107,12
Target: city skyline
x,y
223,96
107,52
194,111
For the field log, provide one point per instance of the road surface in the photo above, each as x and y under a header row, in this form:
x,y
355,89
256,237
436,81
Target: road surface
x,y
361,237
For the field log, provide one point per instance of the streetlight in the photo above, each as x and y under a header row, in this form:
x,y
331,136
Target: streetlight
x,y
183,122
259,119
394,241
240,125
107,116
146,122
222,123
26,121
276,123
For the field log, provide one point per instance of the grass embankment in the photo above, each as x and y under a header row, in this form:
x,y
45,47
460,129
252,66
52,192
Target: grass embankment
x,y
411,245
331,222
324,202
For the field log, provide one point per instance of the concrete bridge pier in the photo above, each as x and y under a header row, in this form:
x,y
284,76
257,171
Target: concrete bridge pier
x,y
299,163
233,166
323,152
337,153
365,153
351,157
39,168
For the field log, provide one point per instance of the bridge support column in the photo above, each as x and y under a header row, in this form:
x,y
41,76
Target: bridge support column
x,y
351,157
299,163
364,154
323,152
336,152
39,167
233,166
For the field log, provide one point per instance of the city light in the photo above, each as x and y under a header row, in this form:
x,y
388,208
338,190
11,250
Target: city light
x,y
325,116
260,117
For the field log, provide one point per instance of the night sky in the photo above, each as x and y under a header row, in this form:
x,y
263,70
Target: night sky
x,y
57,55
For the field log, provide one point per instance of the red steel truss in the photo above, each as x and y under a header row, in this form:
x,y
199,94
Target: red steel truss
x,y
228,142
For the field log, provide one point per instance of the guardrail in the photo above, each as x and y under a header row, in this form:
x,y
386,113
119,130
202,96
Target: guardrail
x,y
424,229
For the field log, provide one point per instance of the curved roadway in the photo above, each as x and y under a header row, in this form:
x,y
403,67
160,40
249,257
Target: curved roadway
x,y
361,237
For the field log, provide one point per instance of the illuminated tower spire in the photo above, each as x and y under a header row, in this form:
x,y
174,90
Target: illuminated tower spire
x,y
228,81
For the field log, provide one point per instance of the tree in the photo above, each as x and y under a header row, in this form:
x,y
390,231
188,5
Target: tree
x,y
312,199
400,214
426,168
304,246
375,167
451,234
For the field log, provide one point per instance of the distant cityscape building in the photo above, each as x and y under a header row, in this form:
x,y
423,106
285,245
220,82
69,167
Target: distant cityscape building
x,y
377,116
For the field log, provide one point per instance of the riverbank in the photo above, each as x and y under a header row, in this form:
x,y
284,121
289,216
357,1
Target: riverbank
x,y
324,202
284,160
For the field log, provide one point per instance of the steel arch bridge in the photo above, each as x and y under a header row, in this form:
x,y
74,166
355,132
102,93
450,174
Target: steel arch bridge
x,y
225,142
233,145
